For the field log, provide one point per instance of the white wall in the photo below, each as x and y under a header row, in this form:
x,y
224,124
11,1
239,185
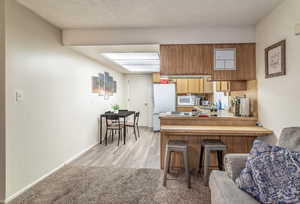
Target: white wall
x,y
159,35
279,97
58,117
2,100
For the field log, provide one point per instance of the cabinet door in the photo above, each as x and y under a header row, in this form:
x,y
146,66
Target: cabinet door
x,y
193,86
218,86
197,59
224,86
156,77
171,60
182,86
245,63
186,59
238,85
207,86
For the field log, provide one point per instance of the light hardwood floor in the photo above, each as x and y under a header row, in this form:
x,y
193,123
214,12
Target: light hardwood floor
x,y
143,153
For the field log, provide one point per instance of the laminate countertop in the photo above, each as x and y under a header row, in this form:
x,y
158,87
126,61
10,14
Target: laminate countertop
x,y
204,116
216,130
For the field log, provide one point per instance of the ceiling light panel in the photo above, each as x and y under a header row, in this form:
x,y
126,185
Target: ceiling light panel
x,y
136,61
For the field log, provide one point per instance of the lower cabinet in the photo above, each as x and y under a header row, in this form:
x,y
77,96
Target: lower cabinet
x,y
184,108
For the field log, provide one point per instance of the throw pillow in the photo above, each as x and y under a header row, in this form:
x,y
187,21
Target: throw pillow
x,y
272,174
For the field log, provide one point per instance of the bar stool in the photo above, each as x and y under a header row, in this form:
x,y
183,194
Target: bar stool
x,y
176,146
208,146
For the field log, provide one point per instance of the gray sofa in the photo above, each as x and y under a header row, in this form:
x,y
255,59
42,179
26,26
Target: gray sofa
x,y
221,183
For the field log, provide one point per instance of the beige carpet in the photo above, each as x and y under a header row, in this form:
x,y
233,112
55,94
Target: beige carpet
x,y
97,185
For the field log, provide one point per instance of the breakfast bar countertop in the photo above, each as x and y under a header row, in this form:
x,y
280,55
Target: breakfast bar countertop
x,y
217,130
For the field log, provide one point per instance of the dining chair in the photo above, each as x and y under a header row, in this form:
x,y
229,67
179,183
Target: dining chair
x,y
135,124
113,125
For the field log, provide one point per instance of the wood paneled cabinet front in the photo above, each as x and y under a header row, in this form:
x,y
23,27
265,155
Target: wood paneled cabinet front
x,y
182,86
207,86
198,59
193,86
186,59
228,86
156,77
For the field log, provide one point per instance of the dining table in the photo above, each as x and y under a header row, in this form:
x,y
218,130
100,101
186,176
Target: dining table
x,y
121,114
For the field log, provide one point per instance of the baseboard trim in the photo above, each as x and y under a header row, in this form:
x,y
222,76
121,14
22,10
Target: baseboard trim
x,y
18,193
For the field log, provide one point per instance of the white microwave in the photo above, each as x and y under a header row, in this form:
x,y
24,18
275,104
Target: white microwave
x,y
186,100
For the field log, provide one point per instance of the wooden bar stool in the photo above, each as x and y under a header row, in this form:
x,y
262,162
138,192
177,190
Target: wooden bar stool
x,y
176,146
208,146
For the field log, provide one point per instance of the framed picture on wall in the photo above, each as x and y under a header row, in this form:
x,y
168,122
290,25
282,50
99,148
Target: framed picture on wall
x,y
110,82
102,86
275,60
95,84
115,87
106,84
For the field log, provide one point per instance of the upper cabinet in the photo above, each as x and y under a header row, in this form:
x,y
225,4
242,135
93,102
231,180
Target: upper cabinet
x,y
199,60
182,86
186,60
193,86
207,86
229,86
156,77
245,63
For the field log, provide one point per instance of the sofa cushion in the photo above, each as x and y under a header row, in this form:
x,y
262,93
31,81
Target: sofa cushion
x,y
290,138
224,191
272,174
234,164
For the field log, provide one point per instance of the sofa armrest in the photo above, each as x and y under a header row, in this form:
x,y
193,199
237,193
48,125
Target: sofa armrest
x,y
234,164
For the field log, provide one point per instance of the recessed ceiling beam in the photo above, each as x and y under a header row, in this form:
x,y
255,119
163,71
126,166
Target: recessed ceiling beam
x,y
73,37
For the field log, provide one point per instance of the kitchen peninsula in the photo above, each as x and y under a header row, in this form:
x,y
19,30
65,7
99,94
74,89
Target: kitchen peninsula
x,y
237,133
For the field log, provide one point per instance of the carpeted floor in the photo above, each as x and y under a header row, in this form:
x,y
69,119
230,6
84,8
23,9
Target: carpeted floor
x,y
104,185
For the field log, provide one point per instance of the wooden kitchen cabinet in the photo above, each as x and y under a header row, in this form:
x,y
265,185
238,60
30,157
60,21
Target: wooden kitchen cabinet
x,y
207,86
228,86
222,86
184,108
245,63
195,86
156,77
192,86
171,60
182,86
186,59
238,85
198,59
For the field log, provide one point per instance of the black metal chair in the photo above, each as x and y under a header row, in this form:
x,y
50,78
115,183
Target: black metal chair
x,y
113,124
135,124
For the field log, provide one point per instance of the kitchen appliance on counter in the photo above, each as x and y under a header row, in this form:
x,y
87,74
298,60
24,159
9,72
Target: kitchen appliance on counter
x,y
241,106
186,100
164,100
244,107
205,102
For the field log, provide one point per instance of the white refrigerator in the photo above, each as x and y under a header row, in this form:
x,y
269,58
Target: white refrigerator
x,y
164,96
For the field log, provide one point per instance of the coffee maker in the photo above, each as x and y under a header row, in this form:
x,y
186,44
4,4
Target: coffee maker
x,y
241,106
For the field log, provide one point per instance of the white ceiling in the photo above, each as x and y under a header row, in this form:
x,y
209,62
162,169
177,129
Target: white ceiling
x,y
120,14
150,13
95,53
